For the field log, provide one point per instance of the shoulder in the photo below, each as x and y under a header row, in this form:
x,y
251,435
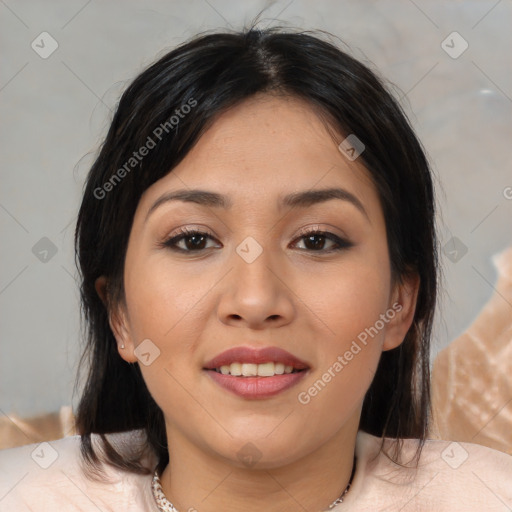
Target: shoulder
x,y
52,476
449,476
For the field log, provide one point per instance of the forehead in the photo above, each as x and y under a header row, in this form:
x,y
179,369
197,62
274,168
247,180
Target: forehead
x,y
266,146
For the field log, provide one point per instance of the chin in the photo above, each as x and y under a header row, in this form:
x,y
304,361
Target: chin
x,y
256,450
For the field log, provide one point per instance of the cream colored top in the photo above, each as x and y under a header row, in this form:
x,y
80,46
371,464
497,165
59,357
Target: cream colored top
x,y
451,477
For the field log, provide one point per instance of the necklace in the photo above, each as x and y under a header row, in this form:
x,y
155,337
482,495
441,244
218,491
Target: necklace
x,y
164,505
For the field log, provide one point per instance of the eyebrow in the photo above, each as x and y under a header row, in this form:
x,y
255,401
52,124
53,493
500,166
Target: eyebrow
x,y
294,200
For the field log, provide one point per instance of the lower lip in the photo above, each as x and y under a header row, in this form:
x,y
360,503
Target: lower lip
x,y
254,388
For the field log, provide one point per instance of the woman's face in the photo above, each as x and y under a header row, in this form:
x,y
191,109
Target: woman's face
x,y
255,279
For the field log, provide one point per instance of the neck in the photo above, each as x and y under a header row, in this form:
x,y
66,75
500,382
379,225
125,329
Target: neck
x,y
195,479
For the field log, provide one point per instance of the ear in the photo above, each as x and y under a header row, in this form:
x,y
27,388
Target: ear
x,y
403,302
118,321
101,289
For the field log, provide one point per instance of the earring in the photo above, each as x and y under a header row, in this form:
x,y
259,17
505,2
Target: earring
x,y
122,346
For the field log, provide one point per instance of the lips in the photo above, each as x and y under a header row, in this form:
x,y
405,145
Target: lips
x,y
256,356
256,373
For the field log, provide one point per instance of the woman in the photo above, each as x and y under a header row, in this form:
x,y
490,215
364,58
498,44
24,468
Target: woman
x,y
259,269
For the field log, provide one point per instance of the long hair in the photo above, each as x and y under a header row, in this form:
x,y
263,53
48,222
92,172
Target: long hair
x,y
212,73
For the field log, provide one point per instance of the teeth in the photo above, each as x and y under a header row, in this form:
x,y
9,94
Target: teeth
x,y
266,370
249,370
235,369
252,370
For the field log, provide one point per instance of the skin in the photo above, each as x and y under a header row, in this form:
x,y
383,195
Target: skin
x,y
295,295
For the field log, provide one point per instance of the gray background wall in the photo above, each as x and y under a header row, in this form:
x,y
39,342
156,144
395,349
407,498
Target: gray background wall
x,y
55,110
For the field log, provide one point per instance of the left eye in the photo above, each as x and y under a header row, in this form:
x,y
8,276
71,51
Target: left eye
x,y
314,241
317,239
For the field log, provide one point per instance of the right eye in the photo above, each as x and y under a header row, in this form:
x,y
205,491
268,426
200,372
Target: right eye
x,y
191,240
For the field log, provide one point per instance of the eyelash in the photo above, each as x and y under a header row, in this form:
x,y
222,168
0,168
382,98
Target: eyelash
x,y
184,233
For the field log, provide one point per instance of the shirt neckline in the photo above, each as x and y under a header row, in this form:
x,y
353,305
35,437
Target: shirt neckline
x,y
364,448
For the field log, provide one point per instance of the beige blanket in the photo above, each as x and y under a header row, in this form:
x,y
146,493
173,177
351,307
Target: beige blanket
x,y
472,377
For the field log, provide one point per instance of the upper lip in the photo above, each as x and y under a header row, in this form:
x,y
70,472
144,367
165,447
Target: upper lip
x,y
254,355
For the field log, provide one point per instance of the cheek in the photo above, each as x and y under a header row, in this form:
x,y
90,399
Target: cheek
x,y
161,297
347,361
164,307
348,299
350,346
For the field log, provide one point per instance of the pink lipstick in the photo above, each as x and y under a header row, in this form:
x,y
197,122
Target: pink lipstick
x,y
256,373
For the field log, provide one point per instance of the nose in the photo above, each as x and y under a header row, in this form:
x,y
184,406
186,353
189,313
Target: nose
x,y
256,294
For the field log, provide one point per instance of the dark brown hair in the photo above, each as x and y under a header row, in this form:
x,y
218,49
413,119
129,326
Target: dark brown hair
x,y
218,71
